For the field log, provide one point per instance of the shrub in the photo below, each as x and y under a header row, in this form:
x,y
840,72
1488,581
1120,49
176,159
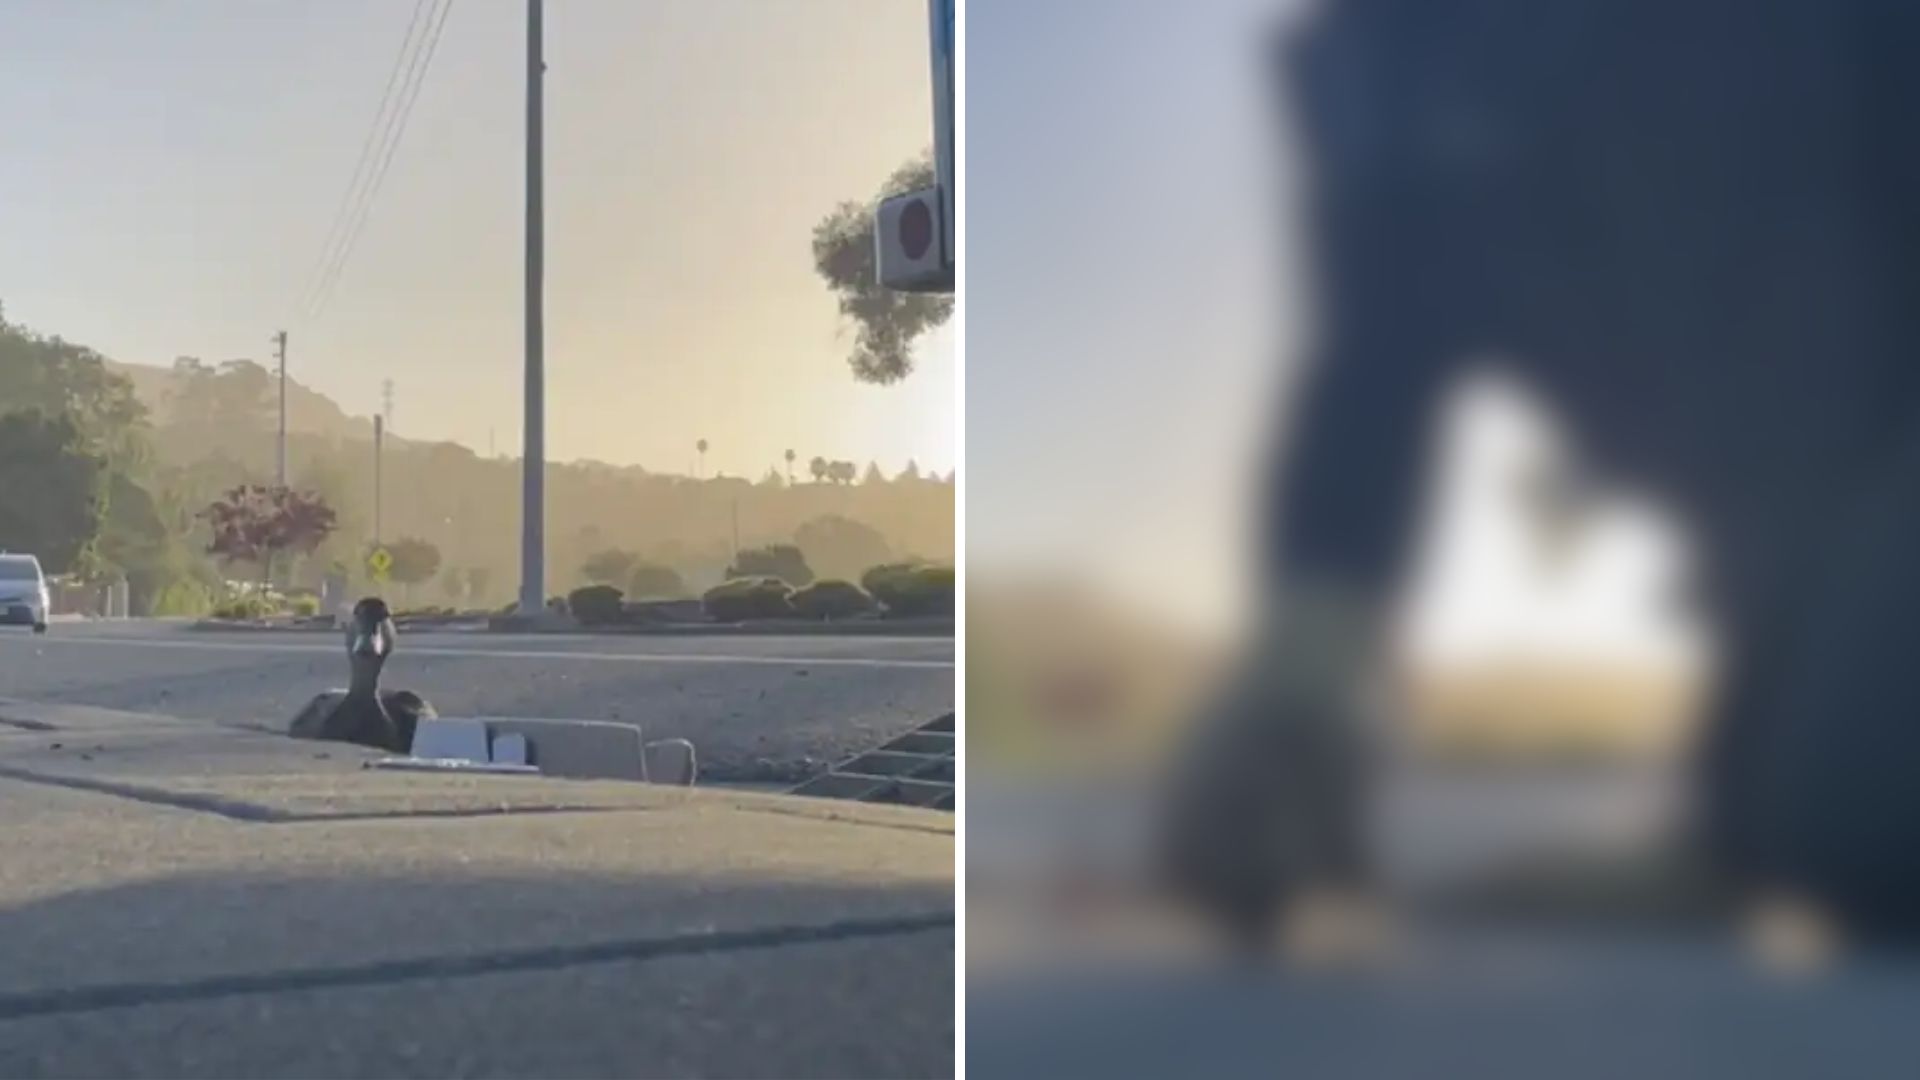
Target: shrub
x,y
246,606
306,605
659,611
652,581
831,599
783,561
749,598
429,611
595,605
185,597
905,589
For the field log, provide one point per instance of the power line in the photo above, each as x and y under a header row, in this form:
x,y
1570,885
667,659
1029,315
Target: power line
x,y
409,94
337,230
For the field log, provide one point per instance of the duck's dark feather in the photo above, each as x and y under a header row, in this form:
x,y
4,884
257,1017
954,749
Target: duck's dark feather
x,y
338,716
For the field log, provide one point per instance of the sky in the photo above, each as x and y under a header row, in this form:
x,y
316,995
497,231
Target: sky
x,y
1134,300
173,168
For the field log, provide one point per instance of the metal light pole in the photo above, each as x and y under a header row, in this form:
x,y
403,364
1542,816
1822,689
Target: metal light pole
x,y
534,459
379,441
280,349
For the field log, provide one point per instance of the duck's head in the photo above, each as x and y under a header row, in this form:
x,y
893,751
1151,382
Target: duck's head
x,y
370,631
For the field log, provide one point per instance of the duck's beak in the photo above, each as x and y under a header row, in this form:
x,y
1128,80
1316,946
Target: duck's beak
x,y
370,642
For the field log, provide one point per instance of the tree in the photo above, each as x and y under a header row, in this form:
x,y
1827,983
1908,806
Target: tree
x,y
818,467
889,322
56,494
59,378
783,561
911,472
414,561
652,581
790,457
609,567
256,522
234,398
840,547
135,541
702,447
478,578
842,472
874,475
454,584
772,478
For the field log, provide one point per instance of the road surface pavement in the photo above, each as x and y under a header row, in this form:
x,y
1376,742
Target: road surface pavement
x,y
758,708
183,899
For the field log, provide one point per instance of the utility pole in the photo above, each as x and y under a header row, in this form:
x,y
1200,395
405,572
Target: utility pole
x,y
379,437
533,461
280,350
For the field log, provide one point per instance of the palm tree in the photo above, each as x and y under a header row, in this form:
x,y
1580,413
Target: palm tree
x,y
790,456
702,447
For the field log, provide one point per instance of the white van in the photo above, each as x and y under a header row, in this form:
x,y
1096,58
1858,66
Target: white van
x,y
23,592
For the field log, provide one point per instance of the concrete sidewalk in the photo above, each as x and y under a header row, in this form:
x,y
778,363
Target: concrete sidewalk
x,y
181,899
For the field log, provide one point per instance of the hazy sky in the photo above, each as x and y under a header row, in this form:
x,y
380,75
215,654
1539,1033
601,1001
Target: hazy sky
x,y
1126,305
172,167
1133,303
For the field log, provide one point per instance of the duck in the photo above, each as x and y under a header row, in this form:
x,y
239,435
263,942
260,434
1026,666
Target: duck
x,y
363,713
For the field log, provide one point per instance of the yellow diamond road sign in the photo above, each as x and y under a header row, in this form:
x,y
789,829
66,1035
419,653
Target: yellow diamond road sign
x,y
380,562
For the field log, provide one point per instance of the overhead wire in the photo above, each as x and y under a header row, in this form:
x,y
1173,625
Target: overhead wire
x,y
415,77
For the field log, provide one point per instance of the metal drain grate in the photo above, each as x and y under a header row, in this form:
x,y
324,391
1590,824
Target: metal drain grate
x,y
915,769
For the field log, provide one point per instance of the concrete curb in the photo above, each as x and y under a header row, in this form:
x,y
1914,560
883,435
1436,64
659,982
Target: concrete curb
x,y
770,628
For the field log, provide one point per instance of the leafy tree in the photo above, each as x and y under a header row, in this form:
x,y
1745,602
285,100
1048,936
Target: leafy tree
x,y
842,472
233,398
59,378
478,578
135,541
889,322
818,467
56,493
652,581
414,561
783,561
257,522
840,547
609,567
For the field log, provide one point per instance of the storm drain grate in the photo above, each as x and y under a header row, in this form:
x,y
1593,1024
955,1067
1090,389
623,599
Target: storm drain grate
x,y
915,769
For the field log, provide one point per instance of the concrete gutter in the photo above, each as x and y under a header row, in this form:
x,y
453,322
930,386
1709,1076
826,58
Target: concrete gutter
x,y
943,627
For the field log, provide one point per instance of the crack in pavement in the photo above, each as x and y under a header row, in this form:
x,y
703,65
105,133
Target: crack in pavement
x,y
84,999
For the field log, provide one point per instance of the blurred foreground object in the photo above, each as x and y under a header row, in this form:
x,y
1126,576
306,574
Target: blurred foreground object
x,y
1691,228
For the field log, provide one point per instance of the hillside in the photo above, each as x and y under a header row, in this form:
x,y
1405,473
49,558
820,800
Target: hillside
x,y
213,427
309,412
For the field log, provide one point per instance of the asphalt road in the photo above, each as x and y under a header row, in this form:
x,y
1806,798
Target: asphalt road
x,y
758,709
184,899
